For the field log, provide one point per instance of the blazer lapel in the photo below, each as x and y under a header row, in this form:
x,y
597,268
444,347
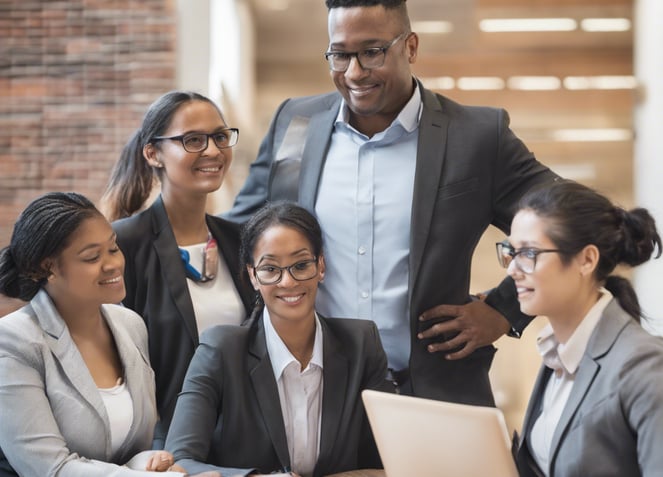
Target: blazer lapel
x,y
586,374
71,362
315,151
430,158
604,336
267,393
335,382
134,379
535,403
165,245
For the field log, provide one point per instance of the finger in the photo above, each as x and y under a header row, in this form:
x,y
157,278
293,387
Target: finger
x,y
442,328
453,344
467,350
439,311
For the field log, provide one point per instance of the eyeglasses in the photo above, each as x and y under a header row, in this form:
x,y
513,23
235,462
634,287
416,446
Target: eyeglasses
x,y
525,258
198,142
300,271
368,58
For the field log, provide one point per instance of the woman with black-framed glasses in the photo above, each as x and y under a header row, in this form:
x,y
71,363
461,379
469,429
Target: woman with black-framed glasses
x,y
597,405
282,393
182,271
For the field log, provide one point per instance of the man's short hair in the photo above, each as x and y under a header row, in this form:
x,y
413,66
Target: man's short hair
x,y
363,3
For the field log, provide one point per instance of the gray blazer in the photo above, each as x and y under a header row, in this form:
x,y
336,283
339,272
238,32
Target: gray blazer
x,y
52,417
612,424
471,170
228,416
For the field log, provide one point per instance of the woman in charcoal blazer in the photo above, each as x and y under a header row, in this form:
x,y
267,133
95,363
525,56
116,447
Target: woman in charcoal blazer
x,y
182,271
282,392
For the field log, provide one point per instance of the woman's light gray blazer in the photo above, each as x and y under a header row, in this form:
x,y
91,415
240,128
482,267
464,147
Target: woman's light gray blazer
x,y
52,417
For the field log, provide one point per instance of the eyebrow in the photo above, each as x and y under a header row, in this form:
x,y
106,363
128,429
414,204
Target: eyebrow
x,y
113,237
293,254
371,43
200,131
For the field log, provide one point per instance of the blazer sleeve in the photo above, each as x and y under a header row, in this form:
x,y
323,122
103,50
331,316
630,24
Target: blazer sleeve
x,y
641,390
255,192
196,415
516,170
29,435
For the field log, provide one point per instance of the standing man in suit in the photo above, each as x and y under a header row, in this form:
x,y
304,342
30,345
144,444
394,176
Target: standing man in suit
x,y
404,183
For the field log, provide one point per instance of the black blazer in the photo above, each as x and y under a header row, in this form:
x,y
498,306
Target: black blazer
x,y
471,170
157,290
228,416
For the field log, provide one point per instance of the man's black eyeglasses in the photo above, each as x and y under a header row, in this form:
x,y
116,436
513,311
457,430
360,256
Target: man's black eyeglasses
x,y
368,58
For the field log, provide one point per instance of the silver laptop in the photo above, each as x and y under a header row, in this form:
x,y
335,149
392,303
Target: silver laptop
x,y
427,438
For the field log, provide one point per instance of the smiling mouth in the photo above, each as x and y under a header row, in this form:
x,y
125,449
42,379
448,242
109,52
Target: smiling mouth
x,y
110,281
210,169
362,90
292,299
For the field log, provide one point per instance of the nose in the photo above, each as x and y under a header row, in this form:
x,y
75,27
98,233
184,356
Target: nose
x,y
287,280
355,69
512,269
114,262
212,149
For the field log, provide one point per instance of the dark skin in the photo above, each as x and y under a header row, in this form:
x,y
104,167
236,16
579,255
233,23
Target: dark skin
x,y
375,97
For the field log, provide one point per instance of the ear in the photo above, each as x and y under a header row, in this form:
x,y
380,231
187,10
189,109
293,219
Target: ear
x,y
321,267
252,277
412,45
150,155
47,266
588,259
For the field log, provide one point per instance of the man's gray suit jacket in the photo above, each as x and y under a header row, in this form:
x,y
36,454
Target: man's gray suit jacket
x,y
471,170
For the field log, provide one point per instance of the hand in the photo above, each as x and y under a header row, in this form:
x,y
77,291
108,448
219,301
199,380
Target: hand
x,y
160,461
475,324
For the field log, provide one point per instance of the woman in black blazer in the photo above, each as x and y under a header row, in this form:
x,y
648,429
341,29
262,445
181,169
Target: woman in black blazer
x,y
182,272
283,392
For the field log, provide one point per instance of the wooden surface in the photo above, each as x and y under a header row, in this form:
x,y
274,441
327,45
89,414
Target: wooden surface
x,y
361,473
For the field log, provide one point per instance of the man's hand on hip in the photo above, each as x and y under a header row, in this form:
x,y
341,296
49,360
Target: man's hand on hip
x,y
474,325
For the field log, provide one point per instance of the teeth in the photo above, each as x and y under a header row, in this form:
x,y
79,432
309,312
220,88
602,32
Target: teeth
x,y
291,299
112,280
210,169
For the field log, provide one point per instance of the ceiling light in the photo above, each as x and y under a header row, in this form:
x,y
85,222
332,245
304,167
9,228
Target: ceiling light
x,y
534,83
600,82
480,83
439,82
592,135
605,24
527,24
432,27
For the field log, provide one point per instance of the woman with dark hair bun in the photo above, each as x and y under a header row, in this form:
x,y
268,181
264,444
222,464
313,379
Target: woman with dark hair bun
x,y
597,405
282,393
76,387
182,273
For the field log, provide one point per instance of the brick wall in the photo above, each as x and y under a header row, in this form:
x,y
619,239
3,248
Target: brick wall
x,y
75,79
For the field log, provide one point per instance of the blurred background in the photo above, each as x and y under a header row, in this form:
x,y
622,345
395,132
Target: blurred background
x,y
581,79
